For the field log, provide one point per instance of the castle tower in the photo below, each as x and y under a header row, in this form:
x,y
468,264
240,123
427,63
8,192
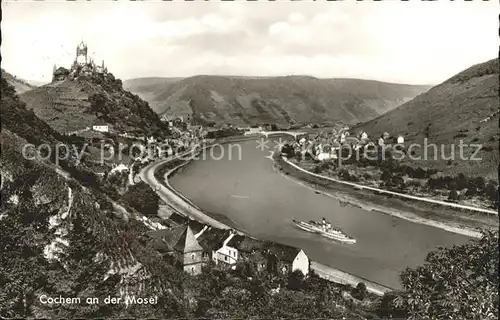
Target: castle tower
x,y
81,53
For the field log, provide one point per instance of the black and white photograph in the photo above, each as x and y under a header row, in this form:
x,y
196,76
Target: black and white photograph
x,y
249,159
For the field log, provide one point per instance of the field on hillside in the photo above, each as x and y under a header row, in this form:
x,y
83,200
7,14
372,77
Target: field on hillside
x,y
72,105
281,100
463,109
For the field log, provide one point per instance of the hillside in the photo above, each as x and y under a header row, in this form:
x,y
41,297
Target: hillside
x,y
71,105
283,100
20,85
69,240
65,238
465,107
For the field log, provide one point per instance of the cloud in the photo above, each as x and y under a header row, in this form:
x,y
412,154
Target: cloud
x,y
391,41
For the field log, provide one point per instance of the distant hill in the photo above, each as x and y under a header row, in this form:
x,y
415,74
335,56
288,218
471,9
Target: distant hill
x,y
70,105
464,107
20,85
283,100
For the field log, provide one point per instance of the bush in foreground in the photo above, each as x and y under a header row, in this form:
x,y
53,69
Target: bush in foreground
x,y
454,283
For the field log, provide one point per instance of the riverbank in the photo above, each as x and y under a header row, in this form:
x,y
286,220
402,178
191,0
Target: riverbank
x,y
183,205
219,217
458,221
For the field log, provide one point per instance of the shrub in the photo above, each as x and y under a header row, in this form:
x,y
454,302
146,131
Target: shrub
x,y
344,174
386,176
360,292
142,198
491,191
429,290
460,135
288,151
453,195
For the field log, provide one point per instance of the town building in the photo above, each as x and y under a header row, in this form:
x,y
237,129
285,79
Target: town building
x,y
324,156
101,128
226,255
342,137
249,251
119,168
180,245
288,259
401,139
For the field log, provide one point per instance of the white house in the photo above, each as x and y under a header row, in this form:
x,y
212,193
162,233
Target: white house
x,y
101,128
401,139
342,137
226,254
151,139
301,262
324,156
119,168
380,141
363,135
294,258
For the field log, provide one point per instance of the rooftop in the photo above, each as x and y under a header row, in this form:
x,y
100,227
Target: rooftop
x,y
180,239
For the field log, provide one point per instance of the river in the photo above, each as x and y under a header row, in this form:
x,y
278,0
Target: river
x,y
239,182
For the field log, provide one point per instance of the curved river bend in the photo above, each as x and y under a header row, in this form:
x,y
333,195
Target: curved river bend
x,y
243,186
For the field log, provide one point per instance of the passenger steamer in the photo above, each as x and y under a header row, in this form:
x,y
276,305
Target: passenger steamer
x,y
325,229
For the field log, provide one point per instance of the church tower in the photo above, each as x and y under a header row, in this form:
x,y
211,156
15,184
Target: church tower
x,y
81,54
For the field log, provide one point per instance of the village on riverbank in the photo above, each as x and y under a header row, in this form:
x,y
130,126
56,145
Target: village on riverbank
x,y
386,162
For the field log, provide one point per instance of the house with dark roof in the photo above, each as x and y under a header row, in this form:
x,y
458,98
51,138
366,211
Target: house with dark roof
x,y
211,240
227,247
284,259
180,245
225,255
250,251
177,219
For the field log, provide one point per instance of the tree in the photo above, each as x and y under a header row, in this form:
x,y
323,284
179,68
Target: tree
x,y
454,283
453,196
288,151
360,292
295,280
142,198
479,183
386,176
491,191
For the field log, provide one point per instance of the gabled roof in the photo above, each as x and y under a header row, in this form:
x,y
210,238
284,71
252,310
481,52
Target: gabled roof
x,y
235,241
196,226
245,244
284,252
177,218
180,239
212,239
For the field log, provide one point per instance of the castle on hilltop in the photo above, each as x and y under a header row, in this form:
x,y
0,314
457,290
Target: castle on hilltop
x,y
82,66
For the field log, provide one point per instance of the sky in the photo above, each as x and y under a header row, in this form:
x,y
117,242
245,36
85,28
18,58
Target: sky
x,y
405,42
